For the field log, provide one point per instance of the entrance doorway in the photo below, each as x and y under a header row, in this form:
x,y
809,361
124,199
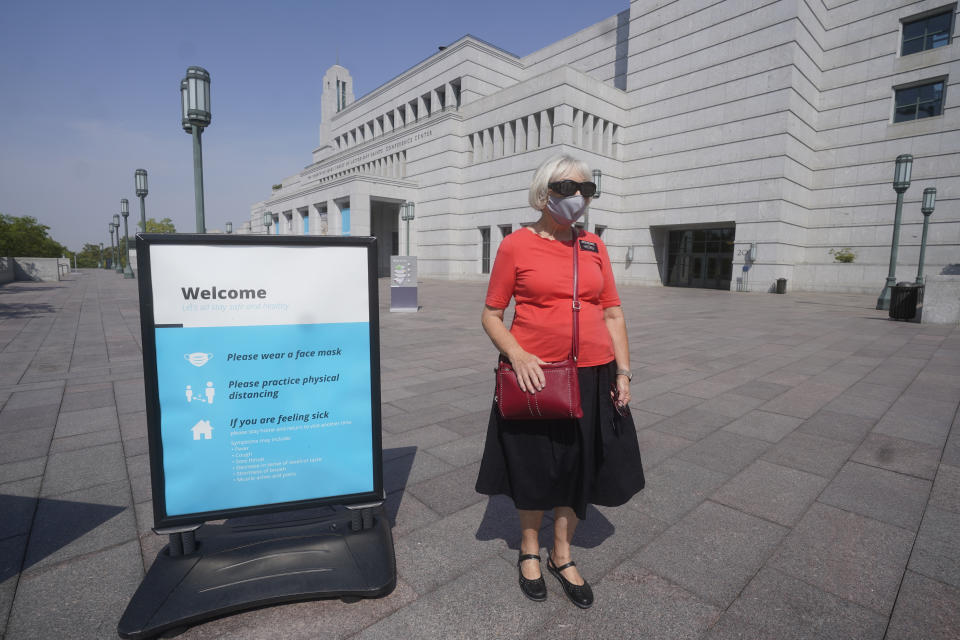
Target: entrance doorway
x,y
385,225
700,258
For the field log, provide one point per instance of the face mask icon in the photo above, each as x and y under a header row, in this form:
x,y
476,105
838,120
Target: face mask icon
x,y
198,359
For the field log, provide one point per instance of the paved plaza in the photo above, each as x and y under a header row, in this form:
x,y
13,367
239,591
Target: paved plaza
x,y
802,455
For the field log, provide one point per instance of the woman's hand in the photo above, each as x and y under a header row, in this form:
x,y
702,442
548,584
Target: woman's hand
x,y
529,374
623,391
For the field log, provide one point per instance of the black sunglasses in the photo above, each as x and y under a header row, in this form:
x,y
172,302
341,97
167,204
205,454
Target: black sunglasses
x,y
567,188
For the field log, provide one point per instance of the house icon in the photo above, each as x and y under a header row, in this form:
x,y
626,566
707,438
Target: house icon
x,y
204,429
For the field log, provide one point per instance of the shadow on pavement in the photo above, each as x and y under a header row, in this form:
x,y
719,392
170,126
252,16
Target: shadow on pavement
x,y
500,521
57,524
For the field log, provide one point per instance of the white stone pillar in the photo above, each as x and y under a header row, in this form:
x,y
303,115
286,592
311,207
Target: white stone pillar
x,y
588,132
597,135
497,142
509,139
521,142
563,124
487,145
377,127
422,111
546,129
533,132
397,118
449,100
434,101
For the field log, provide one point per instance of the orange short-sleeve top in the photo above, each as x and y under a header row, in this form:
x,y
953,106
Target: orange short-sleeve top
x,y
538,273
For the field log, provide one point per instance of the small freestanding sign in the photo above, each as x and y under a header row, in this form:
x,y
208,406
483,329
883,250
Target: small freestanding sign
x,y
261,367
403,283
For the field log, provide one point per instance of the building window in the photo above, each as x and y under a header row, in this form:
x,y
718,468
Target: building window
x,y
505,230
599,229
484,249
922,101
926,33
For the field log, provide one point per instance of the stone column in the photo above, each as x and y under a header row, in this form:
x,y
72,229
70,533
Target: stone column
x,y
434,101
546,129
577,128
563,124
533,132
521,141
598,135
449,99
422,111
497,142
487,145
509,139
588,132
377,127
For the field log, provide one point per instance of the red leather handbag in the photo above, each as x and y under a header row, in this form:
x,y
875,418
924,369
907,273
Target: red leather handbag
x,y
560,396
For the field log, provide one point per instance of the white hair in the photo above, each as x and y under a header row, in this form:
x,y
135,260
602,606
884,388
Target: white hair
x,y
550,171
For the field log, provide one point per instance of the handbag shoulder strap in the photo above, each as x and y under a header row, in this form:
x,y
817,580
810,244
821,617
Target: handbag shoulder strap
x,y
575,346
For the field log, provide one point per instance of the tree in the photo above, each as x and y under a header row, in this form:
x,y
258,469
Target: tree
x,y
164,226
24,236
90,257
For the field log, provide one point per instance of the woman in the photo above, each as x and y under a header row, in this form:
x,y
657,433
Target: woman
x,y
562,465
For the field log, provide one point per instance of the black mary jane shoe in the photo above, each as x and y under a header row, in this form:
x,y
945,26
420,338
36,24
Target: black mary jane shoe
x,y
579,594
535,589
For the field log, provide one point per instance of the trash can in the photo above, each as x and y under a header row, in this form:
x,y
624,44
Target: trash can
x,y
781,285
904,297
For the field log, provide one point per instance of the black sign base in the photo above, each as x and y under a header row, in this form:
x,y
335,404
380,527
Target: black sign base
x,y
256,561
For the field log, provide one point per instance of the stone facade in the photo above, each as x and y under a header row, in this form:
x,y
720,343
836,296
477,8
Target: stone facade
x,y
766,125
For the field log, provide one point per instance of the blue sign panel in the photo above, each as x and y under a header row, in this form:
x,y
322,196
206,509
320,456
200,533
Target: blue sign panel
x,y
264,391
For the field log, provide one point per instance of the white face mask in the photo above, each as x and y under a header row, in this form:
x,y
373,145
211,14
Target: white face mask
x,y
566,211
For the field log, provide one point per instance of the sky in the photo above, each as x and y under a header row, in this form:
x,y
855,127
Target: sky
x,y
91,92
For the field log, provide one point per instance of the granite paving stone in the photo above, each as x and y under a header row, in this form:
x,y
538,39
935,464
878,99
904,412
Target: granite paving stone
x,y
72,423
724,451
80,522
632,600
674,487
848,555
668,404
925,609
770,491
764,425
804,400
11,557
896,454
946,489
732,405
877,493
656,446
713,552
84,440
60,603
25,445
813,454
919,419
936,553
837,426
450,492
462,451
22,469
83,468
692,424
494,609
779,606
42,417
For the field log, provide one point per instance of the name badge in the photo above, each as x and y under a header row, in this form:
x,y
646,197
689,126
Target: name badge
x,y
588,246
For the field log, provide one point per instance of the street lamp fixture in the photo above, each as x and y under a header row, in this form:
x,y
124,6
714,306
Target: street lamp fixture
x,y
926,208
100,257
140,182
901,182
118,267
113,251
125,212
597,178
113,256
229,227
267,220
407,214
195,117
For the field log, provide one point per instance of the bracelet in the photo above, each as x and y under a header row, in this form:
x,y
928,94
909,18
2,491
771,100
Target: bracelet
x,y
625,372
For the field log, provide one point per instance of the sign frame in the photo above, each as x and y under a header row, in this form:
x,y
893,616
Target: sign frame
x,y
144,242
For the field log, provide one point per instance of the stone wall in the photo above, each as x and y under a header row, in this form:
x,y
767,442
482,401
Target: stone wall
x,y
6,270
38,269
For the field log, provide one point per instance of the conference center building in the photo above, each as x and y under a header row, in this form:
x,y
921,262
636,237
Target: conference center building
x,y
737,142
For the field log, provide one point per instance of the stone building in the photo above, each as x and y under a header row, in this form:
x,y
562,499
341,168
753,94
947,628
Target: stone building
x,y
717,127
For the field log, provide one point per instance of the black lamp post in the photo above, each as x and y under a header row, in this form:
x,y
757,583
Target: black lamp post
x,y
125,212
116,225
926,208
113,250
901,182
195,117
597,177
140,181
112,255
406,214
267,220
229,227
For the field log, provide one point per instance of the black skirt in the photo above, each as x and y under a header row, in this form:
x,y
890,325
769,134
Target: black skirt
x,y
543,464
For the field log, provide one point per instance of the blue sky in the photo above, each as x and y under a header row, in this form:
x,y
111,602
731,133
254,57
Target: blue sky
x,y
91,92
